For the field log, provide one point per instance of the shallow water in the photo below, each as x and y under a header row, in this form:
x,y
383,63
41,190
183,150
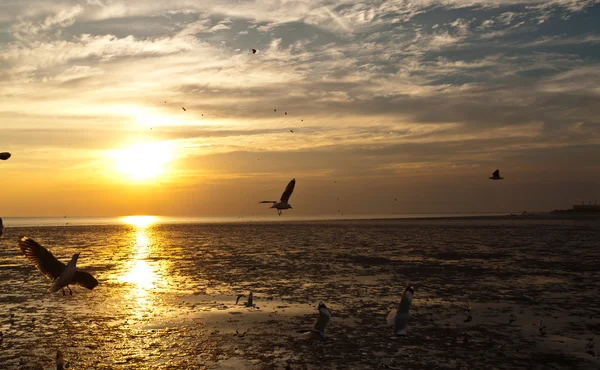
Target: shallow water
x,y
167,295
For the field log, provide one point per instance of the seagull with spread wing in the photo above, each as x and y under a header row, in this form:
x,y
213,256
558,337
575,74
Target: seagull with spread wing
x,y
496,176
62,275
285,197
318,331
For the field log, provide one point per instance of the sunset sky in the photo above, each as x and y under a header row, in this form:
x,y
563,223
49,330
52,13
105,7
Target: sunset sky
x,y
418,101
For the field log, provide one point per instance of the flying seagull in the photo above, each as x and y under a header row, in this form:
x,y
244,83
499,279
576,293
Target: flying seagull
x,y
62,274
318,331
184,109
285,197
253,51
4,155
249,303
496,176
399,316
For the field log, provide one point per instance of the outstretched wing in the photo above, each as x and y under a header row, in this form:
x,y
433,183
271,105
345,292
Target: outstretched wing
x,y
496,173
268,201
84,279
322,320
41,258
288,191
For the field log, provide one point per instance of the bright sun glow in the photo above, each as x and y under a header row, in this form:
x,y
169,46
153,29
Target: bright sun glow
x,y
139,221
143,161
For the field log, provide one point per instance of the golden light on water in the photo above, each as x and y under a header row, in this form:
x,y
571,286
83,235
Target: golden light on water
x,y
140,221
143,161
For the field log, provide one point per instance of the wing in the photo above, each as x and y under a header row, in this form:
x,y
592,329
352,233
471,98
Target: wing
x,y
41,258
84,279
4,155
496,173
268,201
288,191
323,320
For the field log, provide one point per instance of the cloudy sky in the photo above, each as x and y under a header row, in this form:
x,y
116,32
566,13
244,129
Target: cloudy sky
x,y
418,101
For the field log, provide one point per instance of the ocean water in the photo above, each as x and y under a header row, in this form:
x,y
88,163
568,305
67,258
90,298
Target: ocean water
x,y
167,294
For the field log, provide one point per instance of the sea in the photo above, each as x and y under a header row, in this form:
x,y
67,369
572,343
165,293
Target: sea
x,y
168,288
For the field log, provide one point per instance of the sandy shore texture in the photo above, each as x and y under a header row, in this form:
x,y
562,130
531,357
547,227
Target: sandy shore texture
x,y
167,293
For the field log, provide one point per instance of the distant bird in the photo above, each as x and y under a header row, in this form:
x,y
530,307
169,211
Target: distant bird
x,y
61,274
184,109
253,51
274,110
4,155
496,176
541,328
1,227
249,303
399,316
468,313
60,364
318,331
286,113
285,197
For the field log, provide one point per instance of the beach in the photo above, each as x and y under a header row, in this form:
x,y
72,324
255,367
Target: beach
x,y
167,295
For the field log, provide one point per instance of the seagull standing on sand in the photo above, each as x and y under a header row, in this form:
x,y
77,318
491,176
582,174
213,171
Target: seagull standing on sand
x,y
399,316
318,331
285,197
62,274
496,176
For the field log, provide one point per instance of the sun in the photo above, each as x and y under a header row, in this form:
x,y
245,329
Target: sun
x,y
143,161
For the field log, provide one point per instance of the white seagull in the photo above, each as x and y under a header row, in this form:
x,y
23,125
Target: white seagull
x,y
399,316
496,176
318,331
285,197
62,274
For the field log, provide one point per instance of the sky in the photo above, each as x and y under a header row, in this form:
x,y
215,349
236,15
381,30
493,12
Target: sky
x,y
396,106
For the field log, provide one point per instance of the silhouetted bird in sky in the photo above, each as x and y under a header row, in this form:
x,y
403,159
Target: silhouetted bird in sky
x,y
285,197
184,109
61,274
253,51
4,155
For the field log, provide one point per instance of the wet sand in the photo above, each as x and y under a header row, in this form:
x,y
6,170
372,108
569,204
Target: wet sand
x,y
167,295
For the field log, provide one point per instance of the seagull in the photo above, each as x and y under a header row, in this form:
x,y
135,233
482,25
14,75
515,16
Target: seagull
x,y
292,131
285,197
248,303
541,328
253,51
184,109
496,176
60,364
62,274
399,316
4,155
286,113
318,331
468,313
274,110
